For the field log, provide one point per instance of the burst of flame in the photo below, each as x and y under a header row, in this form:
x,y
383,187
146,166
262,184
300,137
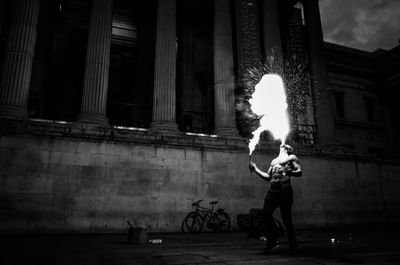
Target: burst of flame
x,y
269,102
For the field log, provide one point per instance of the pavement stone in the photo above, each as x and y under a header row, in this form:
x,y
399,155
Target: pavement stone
x,y
316,246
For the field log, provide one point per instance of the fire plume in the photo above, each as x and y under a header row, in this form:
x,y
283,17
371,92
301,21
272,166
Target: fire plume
x,y
269,102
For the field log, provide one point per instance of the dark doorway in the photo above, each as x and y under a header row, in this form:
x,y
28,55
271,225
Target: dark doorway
x,y
130,92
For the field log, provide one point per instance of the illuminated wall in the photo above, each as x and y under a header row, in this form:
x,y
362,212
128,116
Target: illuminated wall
x,y
87,179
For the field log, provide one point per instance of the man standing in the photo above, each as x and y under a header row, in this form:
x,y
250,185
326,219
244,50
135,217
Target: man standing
x,y
280,194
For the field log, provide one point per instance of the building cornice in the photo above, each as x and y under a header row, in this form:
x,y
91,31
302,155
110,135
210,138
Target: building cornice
x,y
73,131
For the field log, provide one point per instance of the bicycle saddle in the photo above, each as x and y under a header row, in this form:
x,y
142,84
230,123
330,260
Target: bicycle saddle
x,y
197,203
213,202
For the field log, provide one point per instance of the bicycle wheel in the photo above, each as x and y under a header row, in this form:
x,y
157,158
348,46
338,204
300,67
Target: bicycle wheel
x,y
222,222
193,222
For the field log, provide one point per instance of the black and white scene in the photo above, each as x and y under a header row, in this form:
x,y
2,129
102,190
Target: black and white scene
x,y
184,132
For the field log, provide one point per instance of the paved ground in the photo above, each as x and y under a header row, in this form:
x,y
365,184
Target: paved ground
x,y
368,246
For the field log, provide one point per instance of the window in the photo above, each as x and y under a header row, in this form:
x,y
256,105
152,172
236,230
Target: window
x,y
6,12
59,62
299,5
120,106
339,104
378,152
124,28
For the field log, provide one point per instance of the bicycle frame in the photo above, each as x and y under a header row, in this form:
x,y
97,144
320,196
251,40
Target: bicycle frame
x,y
206,214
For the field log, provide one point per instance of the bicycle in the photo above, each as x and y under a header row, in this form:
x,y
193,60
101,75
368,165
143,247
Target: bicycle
x,y
217,220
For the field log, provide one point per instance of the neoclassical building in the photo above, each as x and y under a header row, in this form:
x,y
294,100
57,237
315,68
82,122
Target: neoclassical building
x,y
113,110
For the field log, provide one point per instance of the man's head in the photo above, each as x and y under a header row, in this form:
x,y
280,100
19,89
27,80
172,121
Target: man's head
x,y
289,149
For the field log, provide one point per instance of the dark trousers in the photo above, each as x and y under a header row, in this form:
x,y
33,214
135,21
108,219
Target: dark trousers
x,y
278,196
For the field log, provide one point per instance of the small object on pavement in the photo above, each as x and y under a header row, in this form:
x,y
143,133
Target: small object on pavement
x,y
155,241
130,233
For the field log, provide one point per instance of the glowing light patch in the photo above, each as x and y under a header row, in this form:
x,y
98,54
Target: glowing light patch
x,y
201,134
131,128
51,121
269,102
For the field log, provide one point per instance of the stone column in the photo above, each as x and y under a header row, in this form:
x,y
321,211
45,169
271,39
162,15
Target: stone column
x,y
224,80
94,99
3,5
271,28
164,97
17,68
323,111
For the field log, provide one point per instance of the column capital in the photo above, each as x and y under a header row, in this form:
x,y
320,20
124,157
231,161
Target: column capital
x,y
271,28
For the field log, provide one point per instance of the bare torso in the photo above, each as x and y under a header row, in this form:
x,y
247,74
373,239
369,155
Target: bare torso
x,y
277,169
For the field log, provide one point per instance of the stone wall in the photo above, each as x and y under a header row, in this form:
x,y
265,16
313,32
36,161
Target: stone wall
x,y
54,181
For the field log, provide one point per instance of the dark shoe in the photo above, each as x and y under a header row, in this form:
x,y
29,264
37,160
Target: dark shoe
x,y
270,245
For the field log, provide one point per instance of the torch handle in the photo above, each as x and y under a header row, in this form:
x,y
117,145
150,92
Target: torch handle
x,y
251,171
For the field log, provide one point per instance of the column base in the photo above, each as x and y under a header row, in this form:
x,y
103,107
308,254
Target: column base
x,y
14,112
164,127
227,132
93,119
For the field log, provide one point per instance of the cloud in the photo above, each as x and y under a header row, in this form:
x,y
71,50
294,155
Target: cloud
x,y
361,24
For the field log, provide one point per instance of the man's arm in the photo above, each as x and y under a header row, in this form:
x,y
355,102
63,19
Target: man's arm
x,y
264,175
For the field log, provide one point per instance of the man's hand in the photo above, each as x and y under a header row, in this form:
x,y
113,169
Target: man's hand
x,y
286,170
293,168
252,166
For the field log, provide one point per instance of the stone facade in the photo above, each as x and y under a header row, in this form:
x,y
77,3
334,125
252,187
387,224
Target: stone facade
x,y
361,98
85,179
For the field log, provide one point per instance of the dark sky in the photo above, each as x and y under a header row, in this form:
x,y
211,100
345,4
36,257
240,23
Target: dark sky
x,y
362,24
